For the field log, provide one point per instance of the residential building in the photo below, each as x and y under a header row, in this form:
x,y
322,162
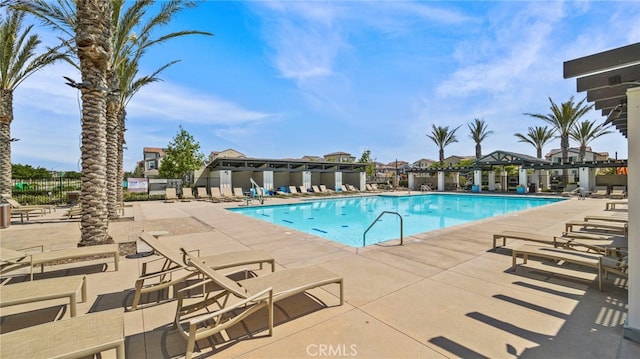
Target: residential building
x,y
422,163
339,157
555,156
152,159
228,153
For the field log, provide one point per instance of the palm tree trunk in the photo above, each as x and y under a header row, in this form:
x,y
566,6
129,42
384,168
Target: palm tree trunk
x,y
93,40
583,151
478,151
112,149
441,154
122,114
6,115
564,146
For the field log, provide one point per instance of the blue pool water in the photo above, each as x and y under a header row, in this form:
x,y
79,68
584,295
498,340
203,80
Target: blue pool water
x,y
344,220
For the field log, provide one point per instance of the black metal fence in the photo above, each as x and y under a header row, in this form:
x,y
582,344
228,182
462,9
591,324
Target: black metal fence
x,y
45,191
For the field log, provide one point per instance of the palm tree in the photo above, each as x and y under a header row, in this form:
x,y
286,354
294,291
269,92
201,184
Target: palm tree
x,y
442,137
131,38
563,118
93,44
479,133
585,132
18,61
538,137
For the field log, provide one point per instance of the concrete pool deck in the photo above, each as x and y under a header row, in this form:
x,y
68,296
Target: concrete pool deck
x,y
443,294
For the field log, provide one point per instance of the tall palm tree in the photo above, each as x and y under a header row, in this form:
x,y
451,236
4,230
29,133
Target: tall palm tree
x,y
442,137
93,44
132,38
18,61
479,132
538,137
563,118
134,32
585,132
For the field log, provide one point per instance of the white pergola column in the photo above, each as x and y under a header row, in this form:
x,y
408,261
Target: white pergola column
x,y
522,177
632,326
338,180
225,179
440,181
411,181
362,181
306,179
503,181
267,180
492,180
587,178
456,180
477,179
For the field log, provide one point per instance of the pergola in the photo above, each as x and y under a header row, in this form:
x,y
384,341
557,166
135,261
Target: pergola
x,y
612,82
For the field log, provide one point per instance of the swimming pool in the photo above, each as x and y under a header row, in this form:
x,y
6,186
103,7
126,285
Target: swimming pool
x,y
344,220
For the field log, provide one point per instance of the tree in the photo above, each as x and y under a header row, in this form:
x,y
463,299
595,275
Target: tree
x,y
18,61
442,137
93,44
563,118
371,166
28,172
538,137
181,157
479,133
131,38
585,132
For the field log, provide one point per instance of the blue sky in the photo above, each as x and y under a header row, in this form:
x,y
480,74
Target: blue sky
x,y
291,78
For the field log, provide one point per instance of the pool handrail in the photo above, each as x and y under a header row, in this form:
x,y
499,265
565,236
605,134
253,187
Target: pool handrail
x,y
364,235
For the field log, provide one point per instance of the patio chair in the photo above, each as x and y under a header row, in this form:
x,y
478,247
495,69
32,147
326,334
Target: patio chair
x,y
618,219
202,194
602,264
45,289
227,195
618,192
216,195
569,190
159,279
293,190
600,246
74,211
254,293
170,195
75,337
239,193
18,209
599,192
598,226
187,194
612,204
324,189
11,260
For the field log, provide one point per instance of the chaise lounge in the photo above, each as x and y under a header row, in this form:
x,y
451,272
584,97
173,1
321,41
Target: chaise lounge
x,y
15,259
254,294
603,264
173,262
75,337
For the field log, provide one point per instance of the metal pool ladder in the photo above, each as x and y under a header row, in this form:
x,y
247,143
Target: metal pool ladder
x,y
364,235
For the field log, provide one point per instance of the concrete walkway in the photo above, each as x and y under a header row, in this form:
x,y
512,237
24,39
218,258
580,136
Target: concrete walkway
x,y
444,294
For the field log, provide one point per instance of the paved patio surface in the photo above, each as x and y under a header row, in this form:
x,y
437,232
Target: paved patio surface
x,y
444,294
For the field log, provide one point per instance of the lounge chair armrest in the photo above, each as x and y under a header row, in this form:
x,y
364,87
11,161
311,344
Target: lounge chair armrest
x,y
150,275
40,246
166,266
265,294
184,256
